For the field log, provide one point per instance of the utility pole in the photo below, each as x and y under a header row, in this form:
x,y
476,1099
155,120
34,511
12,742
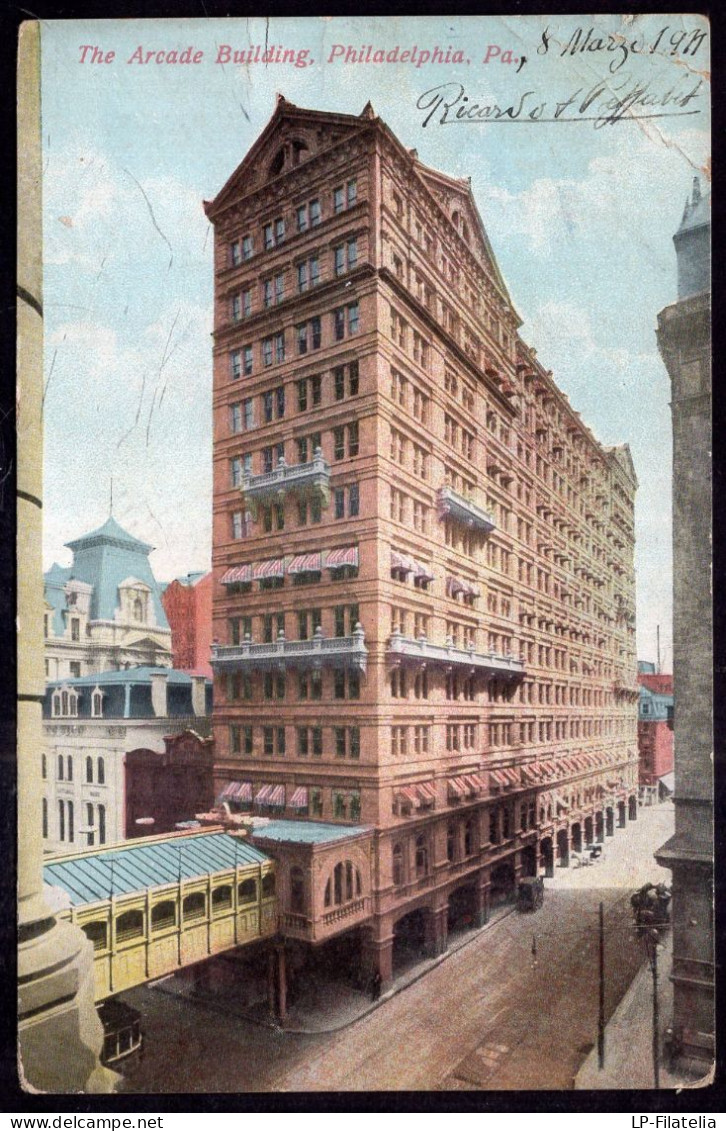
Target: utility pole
x,y
653,955
601,1003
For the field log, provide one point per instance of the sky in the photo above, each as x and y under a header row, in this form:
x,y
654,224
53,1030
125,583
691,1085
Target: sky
x,y
580,213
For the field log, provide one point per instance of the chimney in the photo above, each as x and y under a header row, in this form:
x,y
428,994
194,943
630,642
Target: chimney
x,y
158,694
199,695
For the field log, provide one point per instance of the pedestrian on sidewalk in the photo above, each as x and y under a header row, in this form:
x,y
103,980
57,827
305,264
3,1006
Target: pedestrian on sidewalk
x,y
376,986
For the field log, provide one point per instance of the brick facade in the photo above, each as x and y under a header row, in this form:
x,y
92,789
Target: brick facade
x,y
424,593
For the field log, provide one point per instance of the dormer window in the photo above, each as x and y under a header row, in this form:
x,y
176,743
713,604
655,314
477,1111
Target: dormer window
x,y
64,703
75,628
138,609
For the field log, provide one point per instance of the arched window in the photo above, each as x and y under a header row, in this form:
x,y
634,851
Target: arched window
x,y
130,925
64,703
138,609
346,884
268,884
348,880
221,899
101,772
97,704
56,704
102,824
97,932
327,893
247,891
69,768
60,767
44,766
338,883
70,822
195,906
61,820
163,915
89,822
422,856
89,769
450,842
45,818
397,865
297,891
469,837
278,163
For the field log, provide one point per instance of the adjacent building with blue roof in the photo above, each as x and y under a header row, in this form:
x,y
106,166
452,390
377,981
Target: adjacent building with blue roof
x,y
104,611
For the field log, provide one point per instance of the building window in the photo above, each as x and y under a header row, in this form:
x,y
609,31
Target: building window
x,y
345,196
422,856
239,525
297,891
398,871
273,233
75,628
45,818
309,336
340,374
44,766
308,274
235,739
89,769
163,915
346,321
345,257
101,824
308,215
247,247
194,906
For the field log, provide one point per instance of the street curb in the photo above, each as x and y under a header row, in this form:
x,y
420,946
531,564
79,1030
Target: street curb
x,y
284,1030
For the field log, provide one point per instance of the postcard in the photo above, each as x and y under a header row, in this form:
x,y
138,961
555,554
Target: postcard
x,y
369,365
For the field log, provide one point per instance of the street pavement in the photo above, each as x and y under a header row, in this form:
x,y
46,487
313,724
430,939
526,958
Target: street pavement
x,y
497,1014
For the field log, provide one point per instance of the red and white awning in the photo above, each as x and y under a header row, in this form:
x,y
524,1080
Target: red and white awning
x,y
426,791
456,585
423,572
275,567
346,556
273,795
457,786
402,562
477,782
229,791
506,777
236,575
306,563
409,795
531,772
299,799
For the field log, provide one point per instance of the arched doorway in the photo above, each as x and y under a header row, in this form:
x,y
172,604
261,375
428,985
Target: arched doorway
x,y
632,808
529,860
599,826
621,814
502,884
409,939
547,856
576,835
609,821
462,911
563,848
588,830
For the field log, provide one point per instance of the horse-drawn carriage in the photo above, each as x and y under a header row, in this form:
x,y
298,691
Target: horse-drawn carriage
x,y
589,855
650,905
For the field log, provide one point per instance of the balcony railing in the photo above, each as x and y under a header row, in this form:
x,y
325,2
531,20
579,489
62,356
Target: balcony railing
x,y
344,912
464,510
449,654
313,476
332,651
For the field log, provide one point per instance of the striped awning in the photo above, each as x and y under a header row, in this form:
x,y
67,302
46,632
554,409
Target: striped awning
x,y
456,585
402,562
457,786
299,799
505,777
426,791
423,572
347,556
236,575
477,782
229,791
275,567
499,777
408,794
531,772
306,563
273,795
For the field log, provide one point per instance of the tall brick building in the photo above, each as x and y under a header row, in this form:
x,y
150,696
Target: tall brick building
x,y
423,559
655,732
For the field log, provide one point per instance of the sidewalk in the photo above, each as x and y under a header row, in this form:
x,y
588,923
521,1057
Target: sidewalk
x,y
326,1006
629,1036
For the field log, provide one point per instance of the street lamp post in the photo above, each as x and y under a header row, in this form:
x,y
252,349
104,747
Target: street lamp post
x,y
651,946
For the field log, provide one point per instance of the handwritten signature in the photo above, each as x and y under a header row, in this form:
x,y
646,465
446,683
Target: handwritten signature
x,y
604,104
